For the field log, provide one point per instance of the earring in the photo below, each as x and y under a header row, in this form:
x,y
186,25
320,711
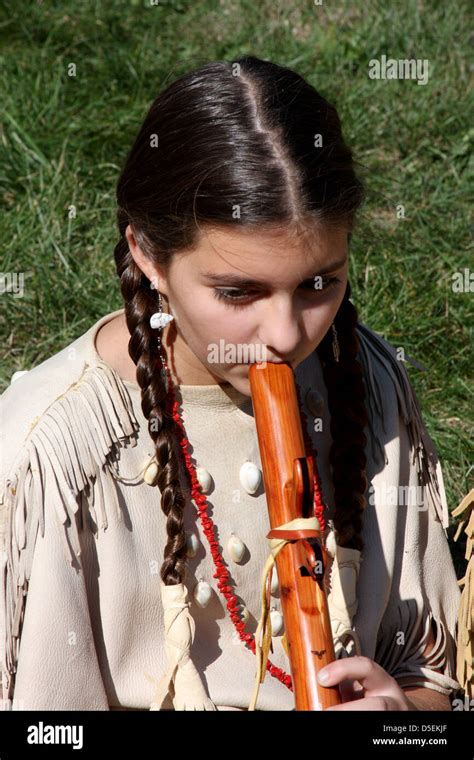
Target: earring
x,y
335,344
158,321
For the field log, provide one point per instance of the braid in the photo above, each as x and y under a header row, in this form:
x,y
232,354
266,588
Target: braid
x,y
140,304
346,401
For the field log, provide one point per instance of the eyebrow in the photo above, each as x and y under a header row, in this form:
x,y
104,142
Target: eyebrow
x,y
242,281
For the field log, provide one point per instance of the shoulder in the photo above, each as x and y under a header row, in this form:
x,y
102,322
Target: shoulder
x,y
386,377
31,393
60,421
391,397
27,397
385,368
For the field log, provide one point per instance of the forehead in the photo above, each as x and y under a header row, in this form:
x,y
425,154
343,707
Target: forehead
x,y
267,254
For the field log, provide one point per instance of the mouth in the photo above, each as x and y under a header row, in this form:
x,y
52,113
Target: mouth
x,y
272,361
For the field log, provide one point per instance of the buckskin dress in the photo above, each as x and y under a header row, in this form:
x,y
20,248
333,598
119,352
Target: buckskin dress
x,y
83,535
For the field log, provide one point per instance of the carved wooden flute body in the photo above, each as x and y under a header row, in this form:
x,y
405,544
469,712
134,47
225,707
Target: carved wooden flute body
x,y
288,479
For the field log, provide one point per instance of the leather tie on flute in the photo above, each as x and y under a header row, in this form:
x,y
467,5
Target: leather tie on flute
x,y
295,538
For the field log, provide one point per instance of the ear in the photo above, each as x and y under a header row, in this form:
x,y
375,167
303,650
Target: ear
x,y
143,262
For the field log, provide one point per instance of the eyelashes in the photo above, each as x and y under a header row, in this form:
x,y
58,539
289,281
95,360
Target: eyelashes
x,y
239,298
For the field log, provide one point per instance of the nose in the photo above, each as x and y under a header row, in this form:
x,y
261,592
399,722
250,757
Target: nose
x,y
280,332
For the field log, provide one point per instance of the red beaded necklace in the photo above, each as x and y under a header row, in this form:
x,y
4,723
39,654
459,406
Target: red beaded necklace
x,y
200,501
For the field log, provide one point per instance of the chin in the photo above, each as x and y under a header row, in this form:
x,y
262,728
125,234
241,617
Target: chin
x,y
239,380
245,388
242,385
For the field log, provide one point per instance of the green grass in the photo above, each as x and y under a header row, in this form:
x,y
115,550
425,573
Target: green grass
x,y
63,140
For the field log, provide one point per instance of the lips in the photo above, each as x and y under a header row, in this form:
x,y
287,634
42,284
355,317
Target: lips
x,y
271,361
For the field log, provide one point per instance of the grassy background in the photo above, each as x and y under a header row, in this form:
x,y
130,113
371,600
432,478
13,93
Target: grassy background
x,y
63,140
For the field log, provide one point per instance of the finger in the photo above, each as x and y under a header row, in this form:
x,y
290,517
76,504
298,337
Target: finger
x,y
370,675
368,703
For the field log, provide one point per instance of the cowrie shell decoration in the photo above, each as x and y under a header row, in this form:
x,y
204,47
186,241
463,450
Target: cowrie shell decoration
x,y
274,584
331,543
204,478
277,622
250,477
151,472
236,548
202,593
244,614
192,544
314,401
159,320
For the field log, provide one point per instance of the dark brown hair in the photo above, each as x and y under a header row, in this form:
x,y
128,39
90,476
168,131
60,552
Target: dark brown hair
x,y
239,134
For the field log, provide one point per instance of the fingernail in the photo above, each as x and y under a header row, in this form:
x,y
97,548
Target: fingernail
x,y
323,676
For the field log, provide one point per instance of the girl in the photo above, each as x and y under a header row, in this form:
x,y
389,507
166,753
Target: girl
x,y
235,211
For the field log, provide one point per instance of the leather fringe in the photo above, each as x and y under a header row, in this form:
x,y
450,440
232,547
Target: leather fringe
x,y
378,357
71,446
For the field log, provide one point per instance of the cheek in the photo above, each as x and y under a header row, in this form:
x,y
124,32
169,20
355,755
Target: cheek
x,y
319,320
195,314
227,326
219,320
211,322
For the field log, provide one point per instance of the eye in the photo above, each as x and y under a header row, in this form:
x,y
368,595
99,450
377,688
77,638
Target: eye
x,y
239,298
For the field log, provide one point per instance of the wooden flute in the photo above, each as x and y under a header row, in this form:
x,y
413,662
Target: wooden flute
x,y
288,479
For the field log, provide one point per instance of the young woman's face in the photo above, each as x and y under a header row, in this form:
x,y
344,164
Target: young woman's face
x,y
295,286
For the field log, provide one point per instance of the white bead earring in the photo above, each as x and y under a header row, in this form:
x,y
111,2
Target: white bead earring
x,y
159,320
